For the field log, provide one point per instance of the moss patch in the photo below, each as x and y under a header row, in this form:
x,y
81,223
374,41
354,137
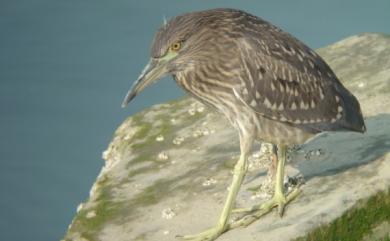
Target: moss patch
x,y
144,143
105,210
385,238
355,223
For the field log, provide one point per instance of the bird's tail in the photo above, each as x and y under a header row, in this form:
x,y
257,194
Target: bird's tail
x,y
353,118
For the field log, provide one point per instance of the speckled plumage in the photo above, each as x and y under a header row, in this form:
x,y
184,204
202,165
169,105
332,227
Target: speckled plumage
x,y
258,76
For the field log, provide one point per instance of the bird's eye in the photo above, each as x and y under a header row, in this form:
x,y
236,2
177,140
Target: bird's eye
x,y
176,46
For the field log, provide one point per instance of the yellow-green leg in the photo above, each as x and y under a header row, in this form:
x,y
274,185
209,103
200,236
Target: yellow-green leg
x,y
279,199
238,176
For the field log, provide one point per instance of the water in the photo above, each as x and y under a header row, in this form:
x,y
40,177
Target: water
x,y
65,67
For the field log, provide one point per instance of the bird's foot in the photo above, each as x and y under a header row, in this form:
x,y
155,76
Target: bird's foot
x,y
208,235
255,212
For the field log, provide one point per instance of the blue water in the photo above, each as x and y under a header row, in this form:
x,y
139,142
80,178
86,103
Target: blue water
x,y
65,67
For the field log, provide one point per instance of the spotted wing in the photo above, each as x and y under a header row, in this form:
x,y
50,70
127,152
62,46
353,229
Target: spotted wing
x,y
288,82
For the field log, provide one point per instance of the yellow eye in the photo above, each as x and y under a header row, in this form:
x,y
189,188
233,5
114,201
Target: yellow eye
x,y
176,46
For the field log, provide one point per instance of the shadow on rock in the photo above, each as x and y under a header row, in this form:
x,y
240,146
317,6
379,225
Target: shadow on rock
x,y
344,150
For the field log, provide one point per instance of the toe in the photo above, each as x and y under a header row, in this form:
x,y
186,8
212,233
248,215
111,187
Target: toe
x,y
208,235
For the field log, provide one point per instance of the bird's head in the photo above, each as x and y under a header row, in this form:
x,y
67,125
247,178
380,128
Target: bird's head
x,y
178,45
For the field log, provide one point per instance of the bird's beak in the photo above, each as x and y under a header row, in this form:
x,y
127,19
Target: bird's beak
x,y
154,70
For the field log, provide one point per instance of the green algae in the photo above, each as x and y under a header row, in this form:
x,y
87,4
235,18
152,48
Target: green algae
x,y
105,209
356,223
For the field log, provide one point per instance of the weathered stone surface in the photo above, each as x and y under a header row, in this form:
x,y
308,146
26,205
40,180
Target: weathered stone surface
x,y
167,168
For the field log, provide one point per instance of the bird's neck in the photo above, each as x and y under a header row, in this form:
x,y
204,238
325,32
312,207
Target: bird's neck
x,y
211,92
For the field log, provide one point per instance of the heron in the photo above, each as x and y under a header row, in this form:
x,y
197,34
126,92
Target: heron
x,y
269,85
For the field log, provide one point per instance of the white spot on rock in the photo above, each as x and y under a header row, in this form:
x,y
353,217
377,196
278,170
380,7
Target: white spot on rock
x,y
91,214
200,109
209,181
168,213
79,207
191,111
197,133
178,140
260,195
105,154
205,132
163,156
160,138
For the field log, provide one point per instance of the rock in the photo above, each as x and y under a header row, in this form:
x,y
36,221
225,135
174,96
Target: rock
x,y
139,197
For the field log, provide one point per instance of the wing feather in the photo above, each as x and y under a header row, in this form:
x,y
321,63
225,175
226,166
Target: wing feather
x,y
288,82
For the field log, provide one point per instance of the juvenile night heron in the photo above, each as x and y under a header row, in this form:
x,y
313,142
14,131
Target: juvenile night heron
x,y
268,84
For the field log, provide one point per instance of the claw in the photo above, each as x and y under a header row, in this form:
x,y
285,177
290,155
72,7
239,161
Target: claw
x,y
281,209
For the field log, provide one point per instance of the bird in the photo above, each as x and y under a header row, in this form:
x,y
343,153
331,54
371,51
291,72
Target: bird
x,y
269,85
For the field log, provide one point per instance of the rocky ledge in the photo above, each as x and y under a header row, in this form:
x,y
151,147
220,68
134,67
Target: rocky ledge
x,y
167,168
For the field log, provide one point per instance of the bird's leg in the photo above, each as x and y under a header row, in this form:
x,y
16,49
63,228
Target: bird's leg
x,y
279,199
238,176
274,159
